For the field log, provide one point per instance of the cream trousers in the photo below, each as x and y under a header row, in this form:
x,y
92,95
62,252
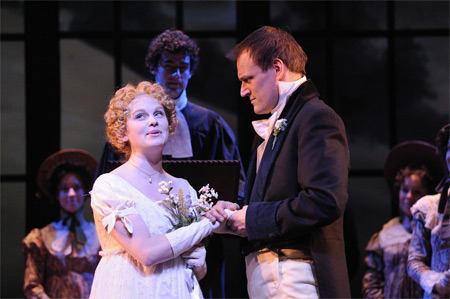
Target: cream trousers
x,y
273,276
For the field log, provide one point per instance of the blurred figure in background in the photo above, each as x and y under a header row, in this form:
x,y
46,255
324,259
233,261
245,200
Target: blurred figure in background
x,y
61,257
428,261
412,170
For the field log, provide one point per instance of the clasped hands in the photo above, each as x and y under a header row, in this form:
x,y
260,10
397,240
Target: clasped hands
x,y
234,220
442,286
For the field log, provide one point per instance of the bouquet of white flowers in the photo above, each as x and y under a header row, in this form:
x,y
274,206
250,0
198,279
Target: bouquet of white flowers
x,y
183,209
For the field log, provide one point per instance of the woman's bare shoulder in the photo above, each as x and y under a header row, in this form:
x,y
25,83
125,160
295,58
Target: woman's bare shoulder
x,y
179,182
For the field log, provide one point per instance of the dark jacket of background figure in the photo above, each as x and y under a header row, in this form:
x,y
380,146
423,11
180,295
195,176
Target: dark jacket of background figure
x,y
211,139
300,192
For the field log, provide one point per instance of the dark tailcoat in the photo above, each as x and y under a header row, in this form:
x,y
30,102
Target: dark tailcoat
x,y
299,195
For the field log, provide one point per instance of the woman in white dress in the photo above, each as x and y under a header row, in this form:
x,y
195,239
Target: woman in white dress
x,y
142,255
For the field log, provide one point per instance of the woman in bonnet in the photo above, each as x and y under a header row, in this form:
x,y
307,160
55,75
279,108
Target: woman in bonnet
x,y
412,170
61,257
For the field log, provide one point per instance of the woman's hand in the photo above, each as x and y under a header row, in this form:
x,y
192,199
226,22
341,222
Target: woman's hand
x,y
196,259
217,212
442,286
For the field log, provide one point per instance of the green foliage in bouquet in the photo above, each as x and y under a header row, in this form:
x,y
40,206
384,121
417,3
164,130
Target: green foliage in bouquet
x,y
183,209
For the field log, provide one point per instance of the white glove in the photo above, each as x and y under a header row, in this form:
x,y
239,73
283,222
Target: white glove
x,y
229,213
186,237
222,228
442,285
196,259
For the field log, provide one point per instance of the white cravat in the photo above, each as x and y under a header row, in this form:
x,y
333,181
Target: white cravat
x,y
179,145
264,127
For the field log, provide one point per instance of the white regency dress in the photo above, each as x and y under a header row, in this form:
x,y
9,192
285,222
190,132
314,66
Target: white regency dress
x,y
119,275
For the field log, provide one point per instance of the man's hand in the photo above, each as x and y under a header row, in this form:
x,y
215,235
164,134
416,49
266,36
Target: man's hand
x,y
236,222
442,286
217,212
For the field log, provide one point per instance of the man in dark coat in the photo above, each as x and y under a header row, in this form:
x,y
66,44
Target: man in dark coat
x,y
296,188
201,134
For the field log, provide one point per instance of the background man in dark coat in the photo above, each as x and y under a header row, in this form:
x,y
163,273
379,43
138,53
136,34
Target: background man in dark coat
x,y
296,188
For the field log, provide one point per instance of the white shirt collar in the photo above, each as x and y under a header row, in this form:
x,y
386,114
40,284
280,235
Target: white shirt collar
x,y
181,102
264,127
285,89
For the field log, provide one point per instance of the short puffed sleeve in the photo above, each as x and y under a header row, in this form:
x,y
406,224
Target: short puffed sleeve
x,y
110,202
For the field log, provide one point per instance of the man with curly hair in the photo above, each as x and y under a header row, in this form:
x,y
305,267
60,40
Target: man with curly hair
x,y
201,134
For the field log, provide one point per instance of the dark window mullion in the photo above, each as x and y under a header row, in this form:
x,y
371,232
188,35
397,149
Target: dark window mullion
x,y
391,87
179,16
391,78
117,44
330,40
42,101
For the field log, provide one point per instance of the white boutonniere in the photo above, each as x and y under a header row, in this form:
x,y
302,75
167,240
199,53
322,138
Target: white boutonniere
x,y
279,127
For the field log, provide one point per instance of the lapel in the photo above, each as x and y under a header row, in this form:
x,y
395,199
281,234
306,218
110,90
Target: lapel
x,y
251,172
297,100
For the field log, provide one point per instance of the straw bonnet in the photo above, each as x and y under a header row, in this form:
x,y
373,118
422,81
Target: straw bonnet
x,y
71,159
413,152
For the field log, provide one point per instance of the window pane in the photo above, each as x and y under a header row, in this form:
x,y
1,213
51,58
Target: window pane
x,y
209,15
85,15
359,15
87,83
148,15
360,96
214,85
12,108
370,205
12,231
422,87
375,209
316,66
11,16
134,69
421,14
298,15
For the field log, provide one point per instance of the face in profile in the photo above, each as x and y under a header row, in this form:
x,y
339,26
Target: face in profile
x,y
411,190
71,193
173,73
147,124
259,86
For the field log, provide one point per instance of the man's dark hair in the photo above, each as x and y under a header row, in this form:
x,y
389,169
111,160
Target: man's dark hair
x,y
174,41
268,43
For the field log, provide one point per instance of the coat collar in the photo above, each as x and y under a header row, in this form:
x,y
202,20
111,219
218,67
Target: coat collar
x,y
257,184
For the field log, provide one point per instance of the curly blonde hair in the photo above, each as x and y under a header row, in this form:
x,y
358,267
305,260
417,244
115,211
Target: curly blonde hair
x,y
118,112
